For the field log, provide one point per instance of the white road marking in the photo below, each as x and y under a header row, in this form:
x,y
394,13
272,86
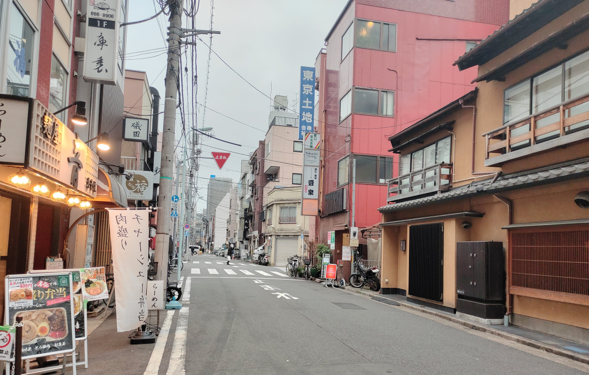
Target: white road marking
x,y
160,345
220,262
178,356
284,295
230,272
213,271
279,274
195,271
207,262
263,273
195,262
186,291
246,272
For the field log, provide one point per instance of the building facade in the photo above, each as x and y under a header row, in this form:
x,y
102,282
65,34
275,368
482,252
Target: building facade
x,y
506,165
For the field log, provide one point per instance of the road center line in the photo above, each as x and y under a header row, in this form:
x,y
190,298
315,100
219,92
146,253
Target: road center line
x,y
158,351
178,356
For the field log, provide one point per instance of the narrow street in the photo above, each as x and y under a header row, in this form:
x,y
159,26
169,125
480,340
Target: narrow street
x,y
251,319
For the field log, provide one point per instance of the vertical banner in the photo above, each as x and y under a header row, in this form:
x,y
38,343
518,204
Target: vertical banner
x,y
307,104
311,165
129,233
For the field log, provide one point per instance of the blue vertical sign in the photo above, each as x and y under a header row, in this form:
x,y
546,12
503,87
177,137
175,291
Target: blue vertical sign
x,y
307,105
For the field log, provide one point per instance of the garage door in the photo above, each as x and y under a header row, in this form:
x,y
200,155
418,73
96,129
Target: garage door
x,y
285,247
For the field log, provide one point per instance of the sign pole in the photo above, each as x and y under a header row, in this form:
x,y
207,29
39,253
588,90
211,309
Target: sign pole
x,y
18,347
168,141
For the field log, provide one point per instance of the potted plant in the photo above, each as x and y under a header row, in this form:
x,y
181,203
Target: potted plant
x,y
301,271
320,251
316,271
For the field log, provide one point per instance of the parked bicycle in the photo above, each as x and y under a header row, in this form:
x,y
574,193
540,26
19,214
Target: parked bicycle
x,y
292,266
307,272
364,275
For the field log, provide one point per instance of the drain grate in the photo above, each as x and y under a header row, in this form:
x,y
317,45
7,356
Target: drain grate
x,y
348,306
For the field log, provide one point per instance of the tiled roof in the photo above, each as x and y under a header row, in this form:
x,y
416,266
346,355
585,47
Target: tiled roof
x,y
542,176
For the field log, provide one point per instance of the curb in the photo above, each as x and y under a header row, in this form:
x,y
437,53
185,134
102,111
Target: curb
x,y
482,328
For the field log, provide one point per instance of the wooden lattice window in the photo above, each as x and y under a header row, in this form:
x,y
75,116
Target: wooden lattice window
x,y
550,263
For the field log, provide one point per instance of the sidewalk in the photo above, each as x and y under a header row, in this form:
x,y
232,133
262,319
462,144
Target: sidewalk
x,y
551,344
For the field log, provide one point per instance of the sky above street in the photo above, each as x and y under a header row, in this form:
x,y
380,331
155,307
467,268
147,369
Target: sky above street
x,y
265,41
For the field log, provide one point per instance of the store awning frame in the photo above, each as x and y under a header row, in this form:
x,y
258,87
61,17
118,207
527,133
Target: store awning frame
x,y
110,193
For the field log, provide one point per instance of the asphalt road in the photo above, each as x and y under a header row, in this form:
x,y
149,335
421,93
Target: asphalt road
x,y
250,319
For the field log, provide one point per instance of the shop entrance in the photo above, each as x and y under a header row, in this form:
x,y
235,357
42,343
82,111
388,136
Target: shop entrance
x,y
426,256
46,238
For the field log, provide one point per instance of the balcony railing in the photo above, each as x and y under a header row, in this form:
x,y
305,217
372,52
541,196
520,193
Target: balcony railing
x,y
130,162
426,181
558,126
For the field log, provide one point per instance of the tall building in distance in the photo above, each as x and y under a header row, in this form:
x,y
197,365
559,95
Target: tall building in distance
x,y
217,189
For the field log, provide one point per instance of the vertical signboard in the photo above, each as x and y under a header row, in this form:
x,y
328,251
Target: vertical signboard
x,y
15,114
307,104
311,165
102,40
129,232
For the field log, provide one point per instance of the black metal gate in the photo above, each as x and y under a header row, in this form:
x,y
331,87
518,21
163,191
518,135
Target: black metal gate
x,y
426,261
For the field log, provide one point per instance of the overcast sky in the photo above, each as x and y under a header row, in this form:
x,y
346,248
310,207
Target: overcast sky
x,y
266,41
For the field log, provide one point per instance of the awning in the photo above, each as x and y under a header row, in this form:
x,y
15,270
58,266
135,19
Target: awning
x,y
109,193
455,215
273,169
547,224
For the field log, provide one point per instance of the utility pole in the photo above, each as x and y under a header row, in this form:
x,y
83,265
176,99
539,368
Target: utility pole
x,y
169,135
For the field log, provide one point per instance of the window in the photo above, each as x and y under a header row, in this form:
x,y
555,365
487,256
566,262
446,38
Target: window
x,y
343,171
517,102
367,102
268,149
297,178
297,146
365,169
547,90
376,35
345,106
434,154
20,54
269,216
385,169
347,41
470,45
57,88
287,215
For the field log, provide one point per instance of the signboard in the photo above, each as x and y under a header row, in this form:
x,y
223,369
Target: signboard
x,y
220,159
175,198
312,141
52,263
328,238
310,182
330,271
346,253
7,336
174,213
187,226
310,207
307,103
155,295
136,129
186,233
312,157
45,303
15,115
332,242
129,232
94,284
140,186
102,41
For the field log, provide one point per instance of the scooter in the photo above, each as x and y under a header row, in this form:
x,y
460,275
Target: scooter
x,y
263,259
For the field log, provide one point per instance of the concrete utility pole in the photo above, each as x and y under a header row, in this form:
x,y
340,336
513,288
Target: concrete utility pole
x,y
169,135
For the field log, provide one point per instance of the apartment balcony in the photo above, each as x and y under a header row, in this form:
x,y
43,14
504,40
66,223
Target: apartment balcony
x,y
430,180
562,125
130,163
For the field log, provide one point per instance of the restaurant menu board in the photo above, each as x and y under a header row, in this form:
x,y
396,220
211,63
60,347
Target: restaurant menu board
x,y
44,301
94,286
79,308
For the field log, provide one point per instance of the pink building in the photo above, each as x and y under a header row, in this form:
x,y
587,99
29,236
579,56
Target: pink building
x,y
386,64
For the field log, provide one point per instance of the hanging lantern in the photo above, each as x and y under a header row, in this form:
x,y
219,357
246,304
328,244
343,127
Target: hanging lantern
x,y
58,196
20,179
73,201
41,190
84,205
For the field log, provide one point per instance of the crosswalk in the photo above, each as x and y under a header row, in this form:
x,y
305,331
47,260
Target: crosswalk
x,y
235,272
225,262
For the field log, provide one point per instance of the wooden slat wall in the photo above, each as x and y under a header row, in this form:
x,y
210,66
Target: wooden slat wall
x,y
103,249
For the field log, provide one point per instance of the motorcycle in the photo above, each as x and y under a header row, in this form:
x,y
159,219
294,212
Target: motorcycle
x,y
263,259
364,275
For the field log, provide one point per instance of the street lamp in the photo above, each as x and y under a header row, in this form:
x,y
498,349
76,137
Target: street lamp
x,y
103,143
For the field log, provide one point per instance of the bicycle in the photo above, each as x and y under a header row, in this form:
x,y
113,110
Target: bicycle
x,y
307,272
292,266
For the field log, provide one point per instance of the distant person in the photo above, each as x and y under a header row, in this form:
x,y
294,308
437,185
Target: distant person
x,y
229,253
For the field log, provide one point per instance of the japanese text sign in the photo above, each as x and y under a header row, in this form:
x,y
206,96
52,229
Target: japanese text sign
x,y
220,158
155,295
136,129
312,141
7,336
102,41
310,182
307,104
45,303
139,186
14,122
330,271
129,232
311,158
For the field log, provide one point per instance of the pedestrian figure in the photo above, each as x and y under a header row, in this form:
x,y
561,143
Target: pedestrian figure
x,y
229,252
